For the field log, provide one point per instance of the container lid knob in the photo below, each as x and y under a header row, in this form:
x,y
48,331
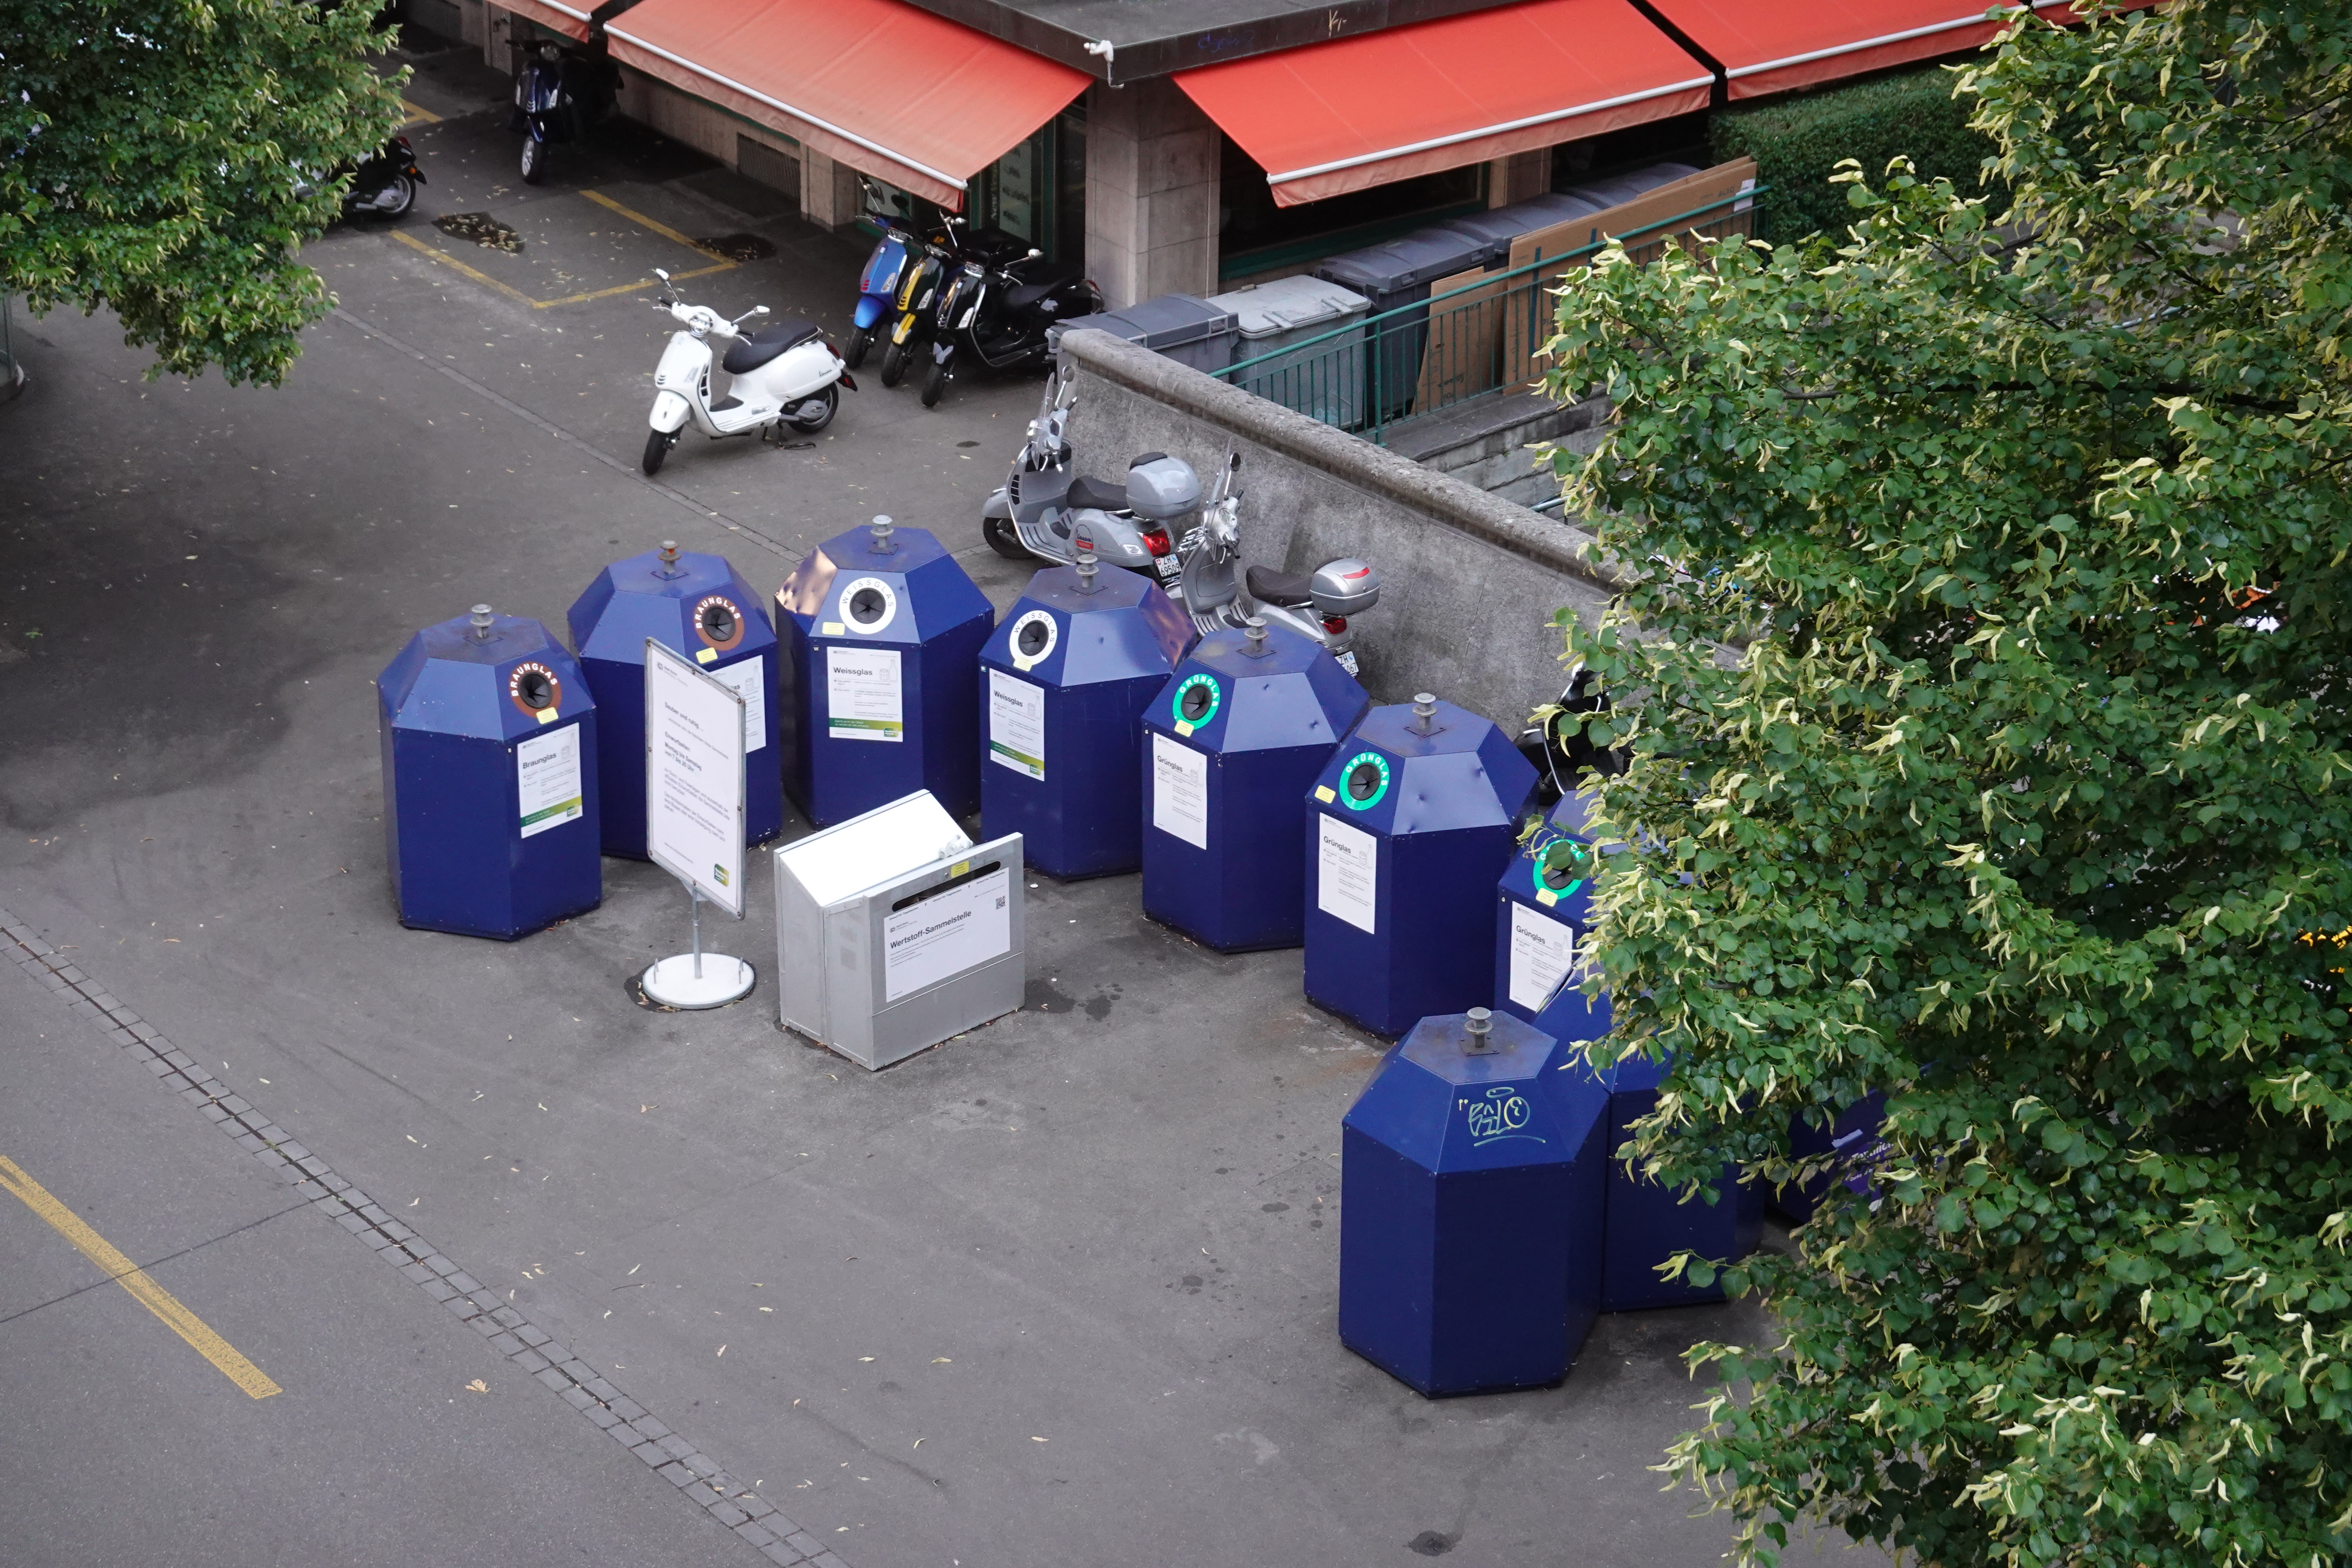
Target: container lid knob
x,y
1424,713
669,560
481,618
1086,570
1478,1032
882,544
1254,642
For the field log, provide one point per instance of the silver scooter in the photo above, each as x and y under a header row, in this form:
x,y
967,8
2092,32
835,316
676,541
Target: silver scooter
x,y
1046,511
1217,590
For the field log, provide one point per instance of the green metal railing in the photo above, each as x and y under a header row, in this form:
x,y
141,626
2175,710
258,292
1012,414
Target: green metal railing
x,y
1485,336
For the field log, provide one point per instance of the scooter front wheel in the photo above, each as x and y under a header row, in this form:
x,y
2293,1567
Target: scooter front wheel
x,y
935,383
1003,538
894,364
534,161
859,342
657,445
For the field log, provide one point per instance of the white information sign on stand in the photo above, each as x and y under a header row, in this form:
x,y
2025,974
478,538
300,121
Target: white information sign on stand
x,y
695,754
1542,953
1348,867
1017,724
1179,790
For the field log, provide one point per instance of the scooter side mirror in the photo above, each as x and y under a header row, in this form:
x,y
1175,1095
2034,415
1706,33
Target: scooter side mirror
x,y
1034,254
660,274
759,309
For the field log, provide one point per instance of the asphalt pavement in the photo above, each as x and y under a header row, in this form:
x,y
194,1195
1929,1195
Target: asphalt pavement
x,y
1059,1292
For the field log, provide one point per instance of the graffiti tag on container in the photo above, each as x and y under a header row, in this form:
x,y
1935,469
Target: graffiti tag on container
x,y
1502,1114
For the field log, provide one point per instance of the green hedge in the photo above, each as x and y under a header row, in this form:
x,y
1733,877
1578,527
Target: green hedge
x,y
1797,145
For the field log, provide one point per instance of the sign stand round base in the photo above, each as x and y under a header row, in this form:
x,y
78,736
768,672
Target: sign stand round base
x,y
674,983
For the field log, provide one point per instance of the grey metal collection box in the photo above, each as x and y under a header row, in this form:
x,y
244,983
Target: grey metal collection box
x,y
894,931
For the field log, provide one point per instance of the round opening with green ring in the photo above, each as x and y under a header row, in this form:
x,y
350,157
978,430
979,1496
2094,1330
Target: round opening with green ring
x,y
719,623
1197,698
534,688
1562,866
1364,781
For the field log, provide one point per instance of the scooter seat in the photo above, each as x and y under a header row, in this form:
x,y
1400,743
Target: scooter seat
x,y
1286,588
1084,492
1039,280
752,353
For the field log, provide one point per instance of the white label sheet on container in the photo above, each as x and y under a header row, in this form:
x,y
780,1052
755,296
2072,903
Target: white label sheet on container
x,y
862,695
546,779
1017,724
694,777
749,681
1179,790
1542,953
945,933
1347,872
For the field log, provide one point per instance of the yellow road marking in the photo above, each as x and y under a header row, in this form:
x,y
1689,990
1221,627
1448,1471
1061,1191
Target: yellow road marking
x,y
418,115
627,287
131,1277
442,257
511,292
641,221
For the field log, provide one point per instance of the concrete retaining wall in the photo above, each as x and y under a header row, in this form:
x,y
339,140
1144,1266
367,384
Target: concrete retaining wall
x,y
1486,443
1469,581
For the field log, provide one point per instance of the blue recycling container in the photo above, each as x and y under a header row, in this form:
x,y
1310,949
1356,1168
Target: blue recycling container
x,y
1412,819
881,632
490,804
700,607
1545,912
1064,683
1471,1210
1231,744
1851,1134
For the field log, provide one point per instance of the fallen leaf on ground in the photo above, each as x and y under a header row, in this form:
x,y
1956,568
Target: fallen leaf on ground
x,y
478,1386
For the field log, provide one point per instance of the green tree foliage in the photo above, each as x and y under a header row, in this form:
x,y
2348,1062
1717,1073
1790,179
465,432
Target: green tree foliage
x,y
1988,705
1798,144
149,153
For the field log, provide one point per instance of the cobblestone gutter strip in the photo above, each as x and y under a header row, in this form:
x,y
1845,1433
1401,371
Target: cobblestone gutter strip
x,y
535,1353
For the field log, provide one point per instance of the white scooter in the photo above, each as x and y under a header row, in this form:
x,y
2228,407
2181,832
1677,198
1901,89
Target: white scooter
x,y
779,375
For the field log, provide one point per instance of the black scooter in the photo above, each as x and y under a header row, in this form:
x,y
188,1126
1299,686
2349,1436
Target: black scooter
x,y
916,304
996,317
383,186
1559,747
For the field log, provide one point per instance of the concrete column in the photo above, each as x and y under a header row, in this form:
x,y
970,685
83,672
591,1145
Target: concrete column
x,y
828,190
1518,178
498,27
1151,193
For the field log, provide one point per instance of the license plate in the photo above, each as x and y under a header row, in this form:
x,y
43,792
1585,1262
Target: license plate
x,y
1168,567
1348,662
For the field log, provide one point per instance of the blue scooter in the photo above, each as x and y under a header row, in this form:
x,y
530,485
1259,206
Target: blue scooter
x,y
877,292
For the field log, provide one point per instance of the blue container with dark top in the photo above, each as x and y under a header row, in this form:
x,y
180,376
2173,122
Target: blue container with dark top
x,y
1064,683
700,607
1545,910
1545,898
881,631
491,803
1411,821
1471,1209
1231,744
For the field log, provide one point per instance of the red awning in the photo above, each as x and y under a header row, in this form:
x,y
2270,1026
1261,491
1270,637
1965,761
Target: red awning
x,y
912,98
1381,107
552,14
1779,46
